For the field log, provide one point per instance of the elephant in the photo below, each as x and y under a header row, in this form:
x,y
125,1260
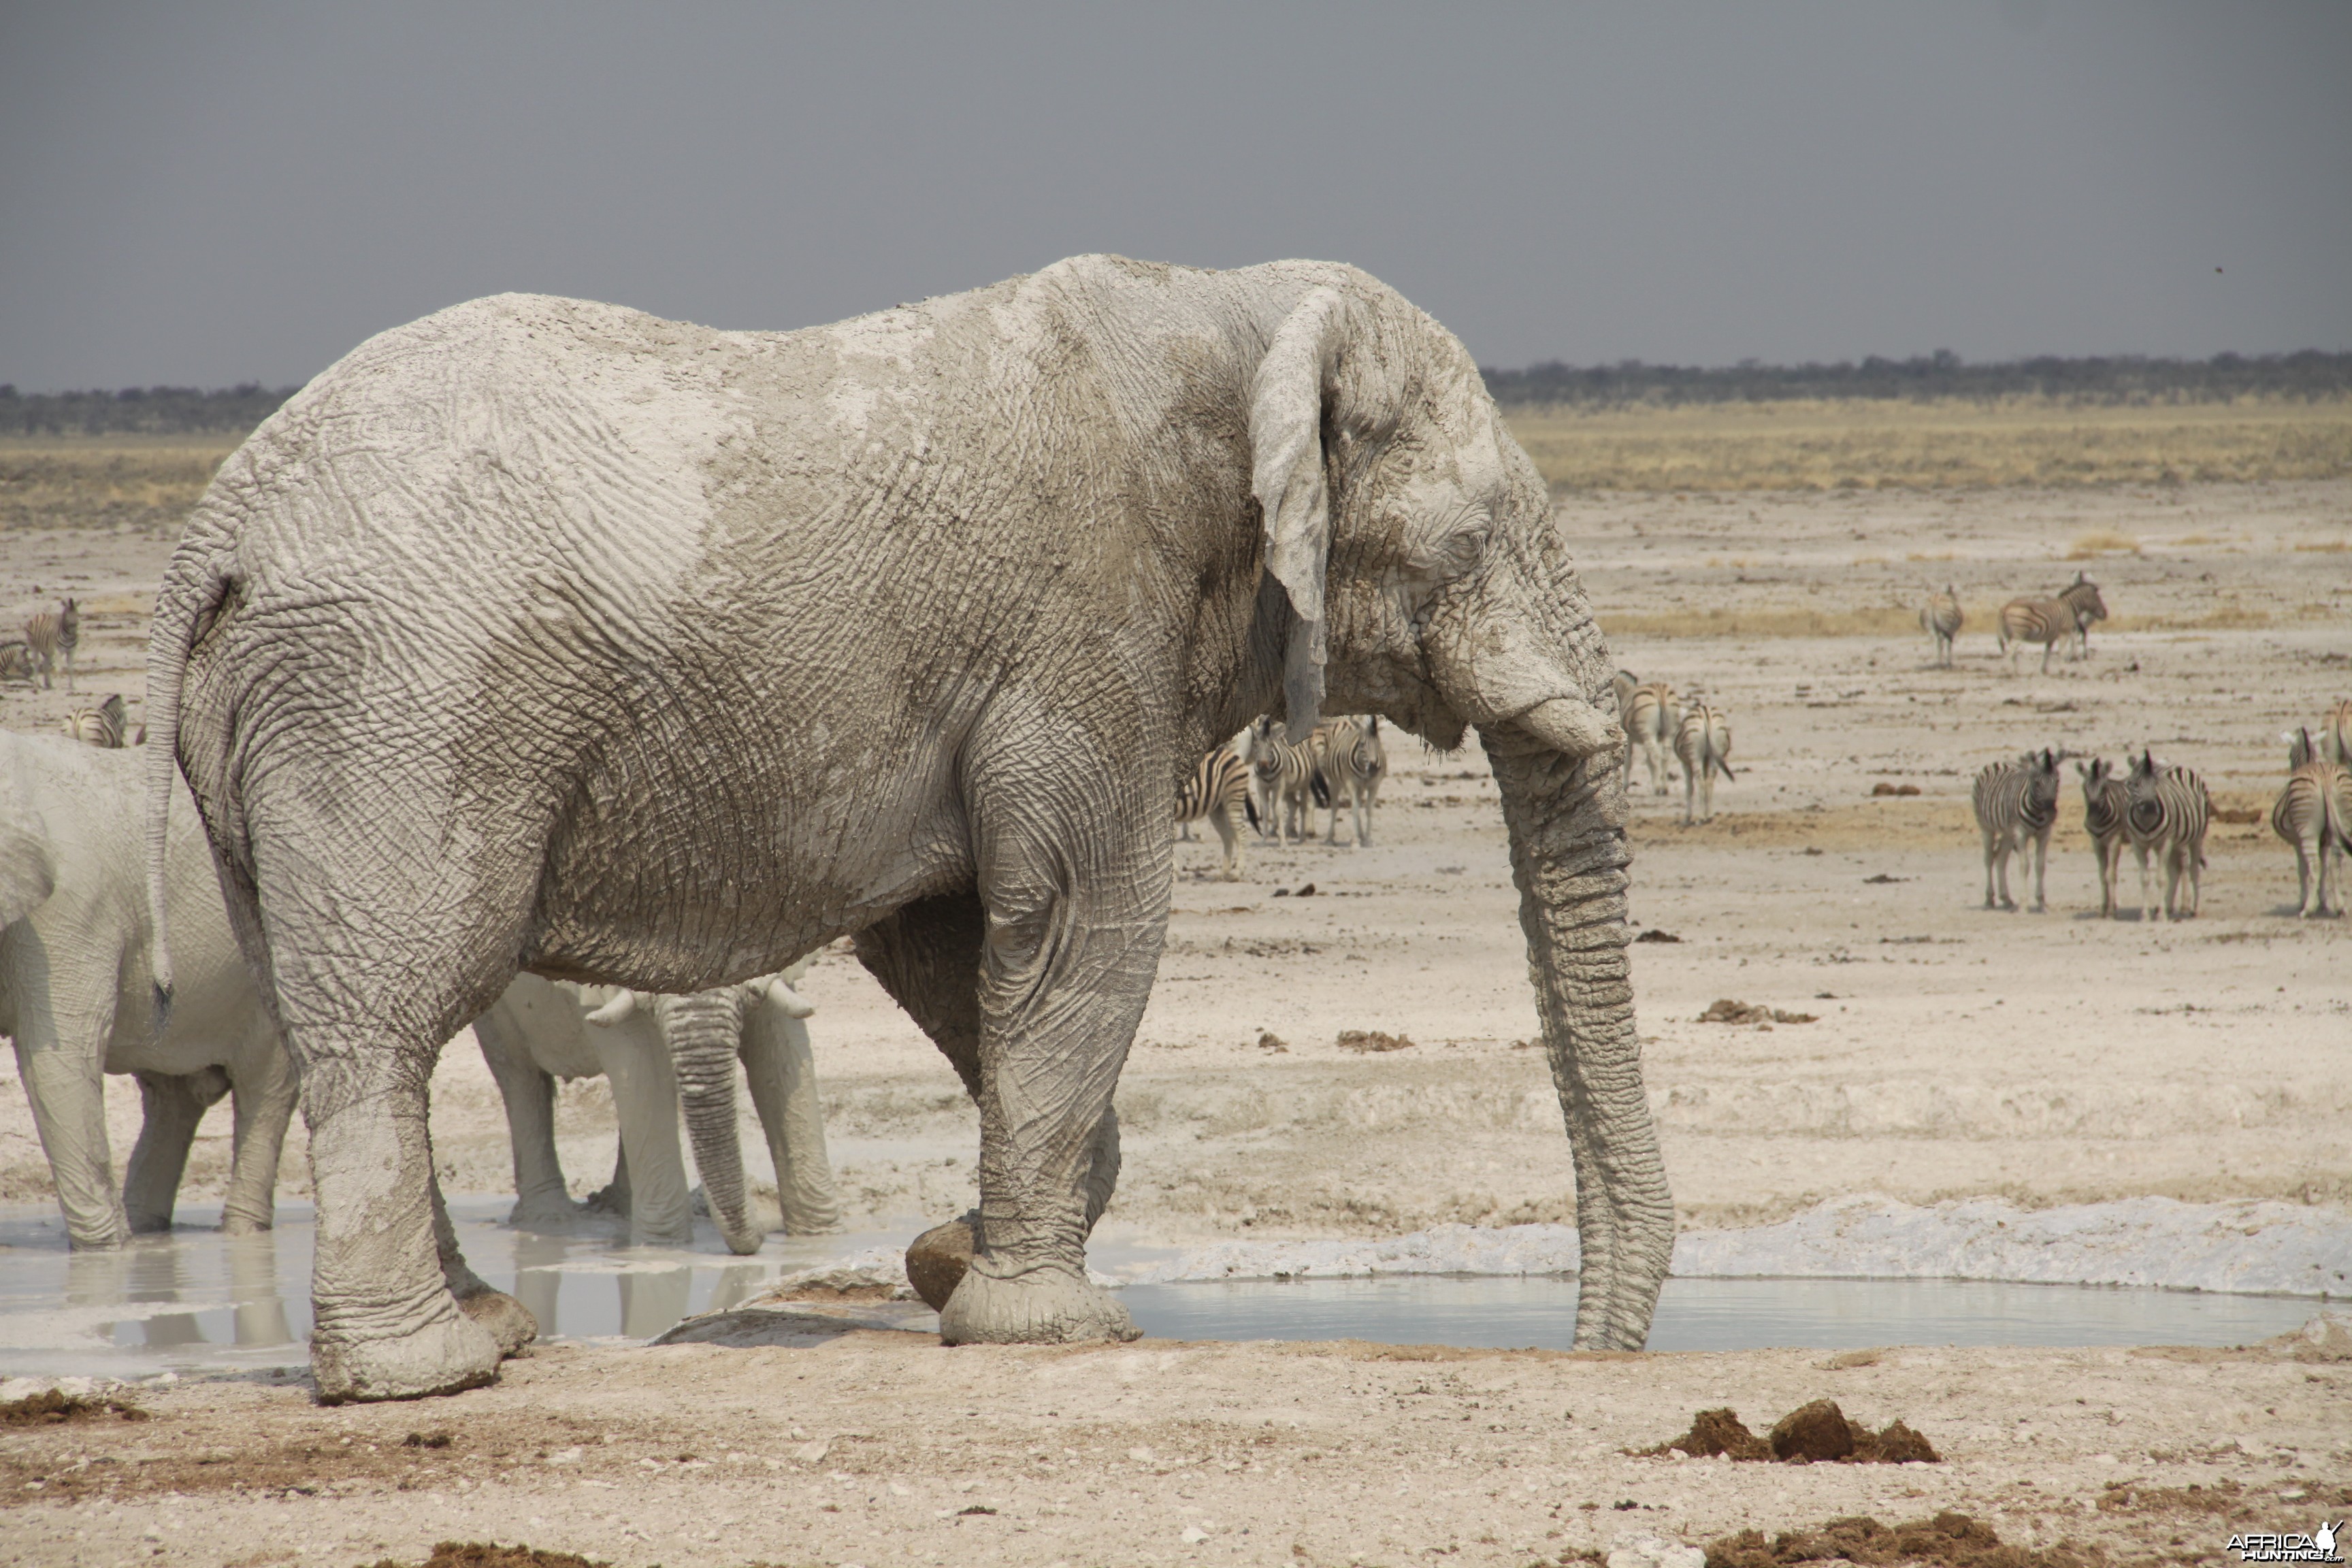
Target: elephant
x,y
655,1051
544,635
75,998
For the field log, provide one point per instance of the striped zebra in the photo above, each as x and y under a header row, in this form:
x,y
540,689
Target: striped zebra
x,y
49,633
2017,805
2336,732
1218,782
2051,621
17,663
2168,810
1940,618
1287,783
1625,683
1703,741
2104,804
1654,717
2313,813
1352,760
102,726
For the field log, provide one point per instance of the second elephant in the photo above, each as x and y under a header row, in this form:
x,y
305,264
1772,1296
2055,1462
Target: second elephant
x,y
660,1054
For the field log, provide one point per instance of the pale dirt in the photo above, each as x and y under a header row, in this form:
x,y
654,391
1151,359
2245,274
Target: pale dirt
x,y
2048,1058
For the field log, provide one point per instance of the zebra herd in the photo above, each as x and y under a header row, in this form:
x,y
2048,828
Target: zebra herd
x,y
2161,813
1279,784
1699,736
2065,617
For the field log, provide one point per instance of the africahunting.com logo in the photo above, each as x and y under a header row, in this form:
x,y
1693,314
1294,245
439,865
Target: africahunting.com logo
x,y
2260,1546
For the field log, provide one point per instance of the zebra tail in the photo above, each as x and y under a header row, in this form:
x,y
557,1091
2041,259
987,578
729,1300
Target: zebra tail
x,y
1320,788
1249,809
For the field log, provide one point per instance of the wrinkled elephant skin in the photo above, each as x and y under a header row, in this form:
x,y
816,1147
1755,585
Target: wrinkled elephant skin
x,y
548,636
77,998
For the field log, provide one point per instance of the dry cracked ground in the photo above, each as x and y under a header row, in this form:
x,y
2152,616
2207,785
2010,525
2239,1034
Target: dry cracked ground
x,y
2048,1057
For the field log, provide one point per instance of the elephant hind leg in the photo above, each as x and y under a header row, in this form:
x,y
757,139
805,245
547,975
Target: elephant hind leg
x,y
68,1093
171,1106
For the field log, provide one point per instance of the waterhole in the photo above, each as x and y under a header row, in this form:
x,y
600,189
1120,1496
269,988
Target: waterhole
x,y
197,1299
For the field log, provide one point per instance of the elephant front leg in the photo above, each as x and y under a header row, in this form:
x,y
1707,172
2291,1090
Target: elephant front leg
x,y
263,1085
171,1106
68,1094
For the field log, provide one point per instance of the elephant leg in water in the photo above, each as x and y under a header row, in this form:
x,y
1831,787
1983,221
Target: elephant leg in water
x,y
172,1104
927,956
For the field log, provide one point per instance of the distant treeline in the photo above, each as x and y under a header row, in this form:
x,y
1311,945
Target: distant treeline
x,y
140,410
2124,379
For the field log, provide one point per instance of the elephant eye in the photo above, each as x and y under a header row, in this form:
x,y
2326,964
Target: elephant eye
x,y
1460,551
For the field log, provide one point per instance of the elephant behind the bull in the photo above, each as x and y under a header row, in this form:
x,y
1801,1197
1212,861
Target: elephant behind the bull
x,y
543,635
75,995
661,1054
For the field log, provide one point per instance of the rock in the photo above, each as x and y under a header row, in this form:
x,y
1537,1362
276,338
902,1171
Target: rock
x,y
1815,1432
1640,1549
935,1260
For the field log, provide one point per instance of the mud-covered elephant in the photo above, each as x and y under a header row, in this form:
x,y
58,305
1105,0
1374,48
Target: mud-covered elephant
x,y
77,998
547,635
660,1054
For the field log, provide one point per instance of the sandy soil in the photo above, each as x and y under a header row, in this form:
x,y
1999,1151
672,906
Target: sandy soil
x,y
2052,1057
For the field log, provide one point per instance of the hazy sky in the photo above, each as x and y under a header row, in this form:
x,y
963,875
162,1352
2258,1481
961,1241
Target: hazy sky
x,y
215,192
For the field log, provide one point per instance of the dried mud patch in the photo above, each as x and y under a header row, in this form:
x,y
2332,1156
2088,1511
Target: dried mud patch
x,y
1814,1434
489,1555
1946,1541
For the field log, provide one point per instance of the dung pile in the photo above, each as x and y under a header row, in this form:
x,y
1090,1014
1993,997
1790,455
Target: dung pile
x,y
489,1555
53,1406
1946,1541
1727,1011
1814,1434
1372,1040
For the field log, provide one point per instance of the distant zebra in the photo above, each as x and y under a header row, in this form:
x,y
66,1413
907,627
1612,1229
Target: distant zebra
x,y
1703,741
17,663
2335,733
1286,781
1625,683
1940,618
1652,719
2081,595
1353,761
1217,784
49,633
2310,815
2051,621
2017,805
2169,812
102,726
2105,801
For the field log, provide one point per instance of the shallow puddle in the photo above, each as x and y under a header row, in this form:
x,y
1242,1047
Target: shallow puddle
x,y
197,1299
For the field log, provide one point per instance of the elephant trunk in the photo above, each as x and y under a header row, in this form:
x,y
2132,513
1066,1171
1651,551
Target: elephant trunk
x,y
1566,816
703,1031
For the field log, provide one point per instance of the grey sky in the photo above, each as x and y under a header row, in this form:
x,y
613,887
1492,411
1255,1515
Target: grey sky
x,y
210,194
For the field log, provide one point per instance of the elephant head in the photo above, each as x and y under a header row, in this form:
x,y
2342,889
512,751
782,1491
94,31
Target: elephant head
x,y
1426,581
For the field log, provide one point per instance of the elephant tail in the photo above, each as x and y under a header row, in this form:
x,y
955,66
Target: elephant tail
x,y
190,598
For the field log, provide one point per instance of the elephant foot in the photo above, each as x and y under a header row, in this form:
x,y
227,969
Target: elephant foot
x,y
507,1320
151,1223
562,1216
937,1259
445,1356
1045,1303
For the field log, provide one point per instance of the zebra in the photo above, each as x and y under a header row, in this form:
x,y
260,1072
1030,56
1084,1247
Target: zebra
x,y
1652,719
17,663
2336,732
1217,784
1286,781
1352,760
2311,814
2017,805
1625,683
1703,741
2169,811
1940,618
49,633
2081,595
2102,820
2051,621
102,726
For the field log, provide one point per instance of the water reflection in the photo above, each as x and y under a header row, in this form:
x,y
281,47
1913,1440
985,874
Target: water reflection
x,y
538,1284
156,1277
653,1301
253,1289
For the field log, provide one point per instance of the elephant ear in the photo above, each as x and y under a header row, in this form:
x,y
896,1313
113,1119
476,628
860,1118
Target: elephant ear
x,y
1285,427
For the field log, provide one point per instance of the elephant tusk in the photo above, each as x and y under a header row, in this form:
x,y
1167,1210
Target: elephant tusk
x,y
1578,729
624,1002
794,1005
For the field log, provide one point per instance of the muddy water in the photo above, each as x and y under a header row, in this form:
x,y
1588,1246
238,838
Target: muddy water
x,y
196,1298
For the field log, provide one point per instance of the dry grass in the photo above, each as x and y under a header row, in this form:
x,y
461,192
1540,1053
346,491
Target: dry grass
x,y
1875,621
1869,445
2103,541
105,482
